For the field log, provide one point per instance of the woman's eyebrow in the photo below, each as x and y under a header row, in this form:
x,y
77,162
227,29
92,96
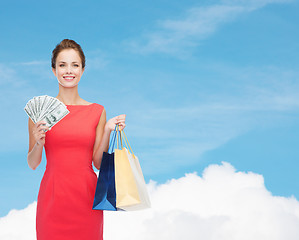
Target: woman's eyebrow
x,y
65,62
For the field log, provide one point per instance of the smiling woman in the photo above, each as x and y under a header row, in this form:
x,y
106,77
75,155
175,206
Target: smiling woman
x,y
68,72
68,63
65,198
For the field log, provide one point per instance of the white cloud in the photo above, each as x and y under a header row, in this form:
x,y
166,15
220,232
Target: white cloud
x,y
98,63
8,76
175,35
18,83
253,4
222,204
19,224
96,59
34,63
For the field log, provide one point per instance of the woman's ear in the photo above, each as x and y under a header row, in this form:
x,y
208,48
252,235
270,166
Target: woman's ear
x,y
54,71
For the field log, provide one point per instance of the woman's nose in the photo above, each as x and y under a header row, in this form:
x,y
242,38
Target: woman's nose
x,y
69,69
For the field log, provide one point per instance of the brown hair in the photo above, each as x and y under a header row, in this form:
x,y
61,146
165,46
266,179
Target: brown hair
x,y
67,44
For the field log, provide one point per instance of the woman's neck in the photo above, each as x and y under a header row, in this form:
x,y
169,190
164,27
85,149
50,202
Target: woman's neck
x,y
69,96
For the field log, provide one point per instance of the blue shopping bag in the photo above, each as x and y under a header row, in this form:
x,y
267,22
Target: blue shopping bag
x,y
105,194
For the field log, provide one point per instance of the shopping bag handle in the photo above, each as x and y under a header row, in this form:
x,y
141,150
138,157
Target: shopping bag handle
x,y
121,134
127,143
119,138
112,141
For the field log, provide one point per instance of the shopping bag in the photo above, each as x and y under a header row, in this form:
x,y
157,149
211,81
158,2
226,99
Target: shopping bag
x,y
105,195
121,185
141,185
125,184
143,201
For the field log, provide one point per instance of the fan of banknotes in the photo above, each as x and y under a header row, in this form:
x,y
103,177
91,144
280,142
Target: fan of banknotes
x,y
46,108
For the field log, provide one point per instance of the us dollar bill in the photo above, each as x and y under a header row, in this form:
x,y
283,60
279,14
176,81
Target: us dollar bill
x,y
46,108
55,115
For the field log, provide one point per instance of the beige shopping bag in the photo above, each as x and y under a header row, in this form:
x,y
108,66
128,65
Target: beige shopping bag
x,y
138,177
125,184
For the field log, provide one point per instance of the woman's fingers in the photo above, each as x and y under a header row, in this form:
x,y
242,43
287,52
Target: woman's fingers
x,y
121,117
42,128
118,120
39,132
122,126
120,123
41,125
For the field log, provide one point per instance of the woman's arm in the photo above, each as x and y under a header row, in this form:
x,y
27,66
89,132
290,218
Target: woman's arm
x,y
103,135
36,143
101,143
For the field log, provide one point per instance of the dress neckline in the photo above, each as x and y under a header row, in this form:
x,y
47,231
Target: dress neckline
x,y
79,105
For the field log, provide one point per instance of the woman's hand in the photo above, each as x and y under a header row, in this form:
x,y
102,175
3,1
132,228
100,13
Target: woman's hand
x,y
118,120
39,132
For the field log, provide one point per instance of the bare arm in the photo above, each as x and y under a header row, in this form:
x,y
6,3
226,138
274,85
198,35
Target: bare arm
x,y
36,143
103,135
101,142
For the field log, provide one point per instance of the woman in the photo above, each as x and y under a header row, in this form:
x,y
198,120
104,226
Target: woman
x,y
65,198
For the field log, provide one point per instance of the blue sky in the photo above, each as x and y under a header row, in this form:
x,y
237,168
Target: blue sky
x,y
201,83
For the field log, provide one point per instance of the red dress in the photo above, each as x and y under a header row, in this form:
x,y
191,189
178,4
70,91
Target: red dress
x,y
65,198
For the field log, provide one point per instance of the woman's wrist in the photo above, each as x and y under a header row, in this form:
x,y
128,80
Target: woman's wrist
x,y
107,129
38,145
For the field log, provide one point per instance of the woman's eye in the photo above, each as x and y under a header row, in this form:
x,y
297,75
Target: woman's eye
x,y
61,65
76,65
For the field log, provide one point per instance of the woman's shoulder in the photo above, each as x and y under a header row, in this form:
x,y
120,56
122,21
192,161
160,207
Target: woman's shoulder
x,y
84,102
98,110
97,105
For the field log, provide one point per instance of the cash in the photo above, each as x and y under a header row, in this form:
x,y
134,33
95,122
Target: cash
x,y
46,108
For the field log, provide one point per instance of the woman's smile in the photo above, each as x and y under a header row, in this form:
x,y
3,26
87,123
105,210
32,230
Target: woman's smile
x,y
69,78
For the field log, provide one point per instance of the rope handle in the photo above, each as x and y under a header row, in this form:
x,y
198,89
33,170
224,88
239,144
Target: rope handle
x,y
127,143
112,141
119,137
122,137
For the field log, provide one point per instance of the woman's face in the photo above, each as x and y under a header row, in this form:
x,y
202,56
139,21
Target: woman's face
x,y
68,68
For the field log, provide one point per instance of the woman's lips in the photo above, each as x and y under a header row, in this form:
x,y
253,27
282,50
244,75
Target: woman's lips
x,y
69,78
